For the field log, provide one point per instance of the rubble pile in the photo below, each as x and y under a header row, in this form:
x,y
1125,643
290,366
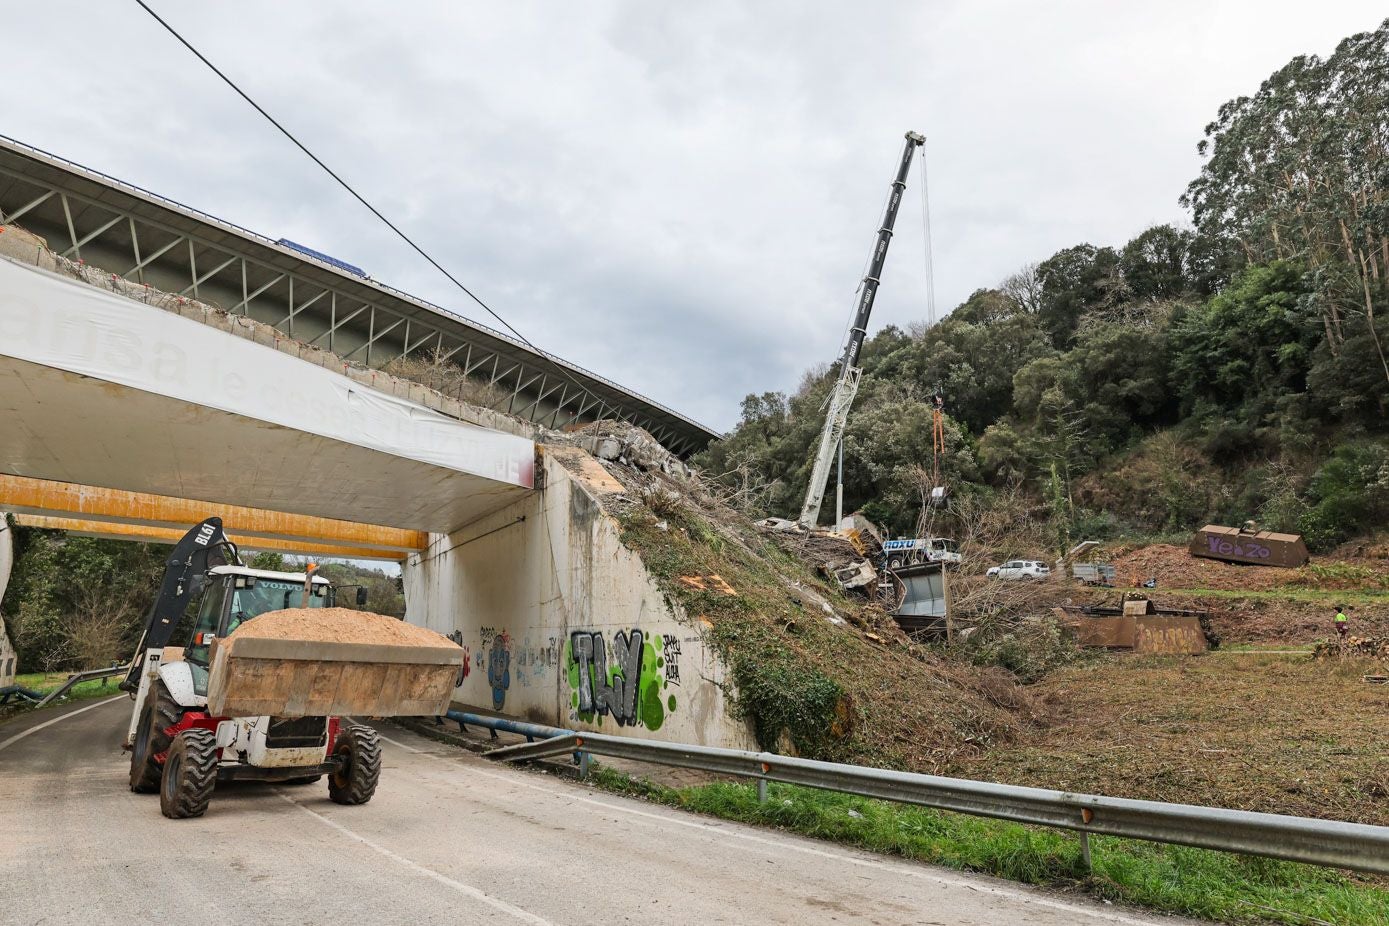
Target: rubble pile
x,y
1353,647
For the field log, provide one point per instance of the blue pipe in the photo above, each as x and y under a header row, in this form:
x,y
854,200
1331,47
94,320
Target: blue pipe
x,y
531,731
20,691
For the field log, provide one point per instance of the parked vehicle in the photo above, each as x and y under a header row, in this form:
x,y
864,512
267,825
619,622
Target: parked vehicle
x,y
1020,569
1101,574
913,550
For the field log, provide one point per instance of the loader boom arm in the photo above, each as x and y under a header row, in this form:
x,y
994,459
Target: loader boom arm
x,y
200,549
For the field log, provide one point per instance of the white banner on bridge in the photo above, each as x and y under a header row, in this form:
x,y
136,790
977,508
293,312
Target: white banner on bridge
x,y
68,325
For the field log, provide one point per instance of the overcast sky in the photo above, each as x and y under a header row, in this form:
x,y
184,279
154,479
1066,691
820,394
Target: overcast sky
x,y
679,196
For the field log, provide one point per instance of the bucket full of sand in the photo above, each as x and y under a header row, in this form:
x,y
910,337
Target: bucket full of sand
x,y
308,662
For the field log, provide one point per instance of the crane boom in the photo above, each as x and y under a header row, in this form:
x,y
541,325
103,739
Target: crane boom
x,y
846,387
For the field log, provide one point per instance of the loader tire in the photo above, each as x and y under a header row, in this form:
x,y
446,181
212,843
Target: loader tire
x,y
360,750
190,773
151,738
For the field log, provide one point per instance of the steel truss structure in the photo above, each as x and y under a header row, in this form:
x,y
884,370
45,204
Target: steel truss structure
x,y
146,238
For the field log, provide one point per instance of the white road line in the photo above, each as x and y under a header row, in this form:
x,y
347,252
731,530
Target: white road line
x,y
48,723
726,831
465,889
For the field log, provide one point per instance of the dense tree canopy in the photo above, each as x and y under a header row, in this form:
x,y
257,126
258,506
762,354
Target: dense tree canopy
x,y
1254,336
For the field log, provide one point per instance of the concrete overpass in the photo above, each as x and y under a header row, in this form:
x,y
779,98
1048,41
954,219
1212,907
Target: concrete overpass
x,y
123,419
144,237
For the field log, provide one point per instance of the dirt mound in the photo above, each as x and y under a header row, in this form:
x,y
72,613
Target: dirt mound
x,y
1174,567
336,625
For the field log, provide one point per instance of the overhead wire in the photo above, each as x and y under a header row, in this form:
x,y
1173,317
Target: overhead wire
x,y
348,187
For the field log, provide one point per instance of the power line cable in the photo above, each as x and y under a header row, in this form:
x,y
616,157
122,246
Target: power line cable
x,y
347,186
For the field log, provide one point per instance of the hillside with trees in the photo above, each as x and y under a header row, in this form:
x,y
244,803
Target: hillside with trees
x,y
1228,370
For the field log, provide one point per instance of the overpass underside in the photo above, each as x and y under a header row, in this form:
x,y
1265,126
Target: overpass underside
x,y
122,420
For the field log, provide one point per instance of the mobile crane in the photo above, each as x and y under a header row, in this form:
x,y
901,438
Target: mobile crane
x,y
846,387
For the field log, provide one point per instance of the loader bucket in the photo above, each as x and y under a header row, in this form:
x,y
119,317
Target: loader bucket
x,y
1259,548
310,662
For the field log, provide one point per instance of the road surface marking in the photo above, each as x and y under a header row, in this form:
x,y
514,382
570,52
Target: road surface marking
x,y
465,889
48,723
725,830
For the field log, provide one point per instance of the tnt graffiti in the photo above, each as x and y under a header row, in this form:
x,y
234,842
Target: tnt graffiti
x,y
622,679
499,668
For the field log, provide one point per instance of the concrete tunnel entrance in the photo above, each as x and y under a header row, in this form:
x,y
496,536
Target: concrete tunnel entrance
x,y
519,565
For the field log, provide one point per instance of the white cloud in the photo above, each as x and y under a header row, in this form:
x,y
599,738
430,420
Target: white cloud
x,y
677,196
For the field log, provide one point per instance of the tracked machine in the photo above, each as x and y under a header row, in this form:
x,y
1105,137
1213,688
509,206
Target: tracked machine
x,y
218,708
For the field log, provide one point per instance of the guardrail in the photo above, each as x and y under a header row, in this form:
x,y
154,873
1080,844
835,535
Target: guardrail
x,y
1294,839
78,678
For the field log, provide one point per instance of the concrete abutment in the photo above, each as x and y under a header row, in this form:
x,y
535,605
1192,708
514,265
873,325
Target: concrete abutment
x,y
563,624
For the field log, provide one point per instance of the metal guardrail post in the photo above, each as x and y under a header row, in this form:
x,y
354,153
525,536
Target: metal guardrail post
x,y
1085,852
583,755
78,678
761,790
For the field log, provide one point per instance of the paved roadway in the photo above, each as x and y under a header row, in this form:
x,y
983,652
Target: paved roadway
x,y
449,838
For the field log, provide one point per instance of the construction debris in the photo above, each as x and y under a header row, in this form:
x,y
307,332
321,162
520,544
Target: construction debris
x,y
852,575
1352,646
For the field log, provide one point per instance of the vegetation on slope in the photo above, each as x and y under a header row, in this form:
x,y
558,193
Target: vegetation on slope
x,y
1231,370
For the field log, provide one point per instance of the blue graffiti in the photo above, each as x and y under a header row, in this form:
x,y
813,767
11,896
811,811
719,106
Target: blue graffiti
x,y
499,669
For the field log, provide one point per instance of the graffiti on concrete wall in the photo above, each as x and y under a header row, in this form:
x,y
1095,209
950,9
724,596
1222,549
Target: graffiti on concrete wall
x,y
536,663
457,637
623,677
498,666
670,644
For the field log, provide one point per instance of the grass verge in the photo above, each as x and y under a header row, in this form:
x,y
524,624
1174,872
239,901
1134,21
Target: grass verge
x,y
1173,879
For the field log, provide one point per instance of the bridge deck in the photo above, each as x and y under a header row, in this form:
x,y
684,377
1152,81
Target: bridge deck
x,y
99,390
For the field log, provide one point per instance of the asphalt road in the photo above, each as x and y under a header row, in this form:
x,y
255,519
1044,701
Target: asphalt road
x,y
449,838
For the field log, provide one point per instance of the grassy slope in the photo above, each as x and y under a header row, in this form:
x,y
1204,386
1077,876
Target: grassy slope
x,y
810,685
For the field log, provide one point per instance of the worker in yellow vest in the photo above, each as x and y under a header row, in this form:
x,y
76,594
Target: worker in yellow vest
x,y
1341,621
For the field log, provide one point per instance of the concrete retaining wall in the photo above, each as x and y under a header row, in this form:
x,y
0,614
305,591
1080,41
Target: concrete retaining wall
x,y
562,623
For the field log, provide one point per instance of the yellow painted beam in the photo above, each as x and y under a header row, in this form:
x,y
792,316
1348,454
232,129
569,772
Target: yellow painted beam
x,y
24,495
110,530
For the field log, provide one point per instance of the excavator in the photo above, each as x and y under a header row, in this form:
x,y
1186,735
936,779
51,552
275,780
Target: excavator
x,y
181,747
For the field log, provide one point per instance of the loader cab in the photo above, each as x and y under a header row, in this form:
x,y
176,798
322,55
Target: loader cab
x,y
233,595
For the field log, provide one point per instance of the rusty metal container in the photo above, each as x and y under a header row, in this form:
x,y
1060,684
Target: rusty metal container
x,y
1137,625
1257,548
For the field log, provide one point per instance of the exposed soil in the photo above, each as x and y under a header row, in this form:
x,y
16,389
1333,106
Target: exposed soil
x,y
1174,567
1271,733
337,625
